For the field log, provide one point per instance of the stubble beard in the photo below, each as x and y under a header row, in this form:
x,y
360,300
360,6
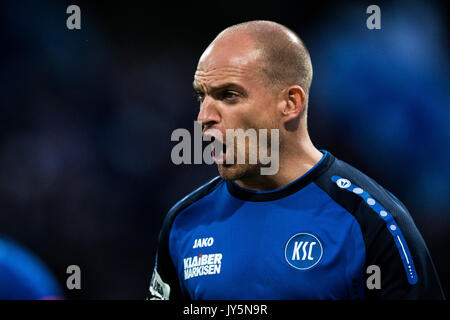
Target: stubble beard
x,y
237,171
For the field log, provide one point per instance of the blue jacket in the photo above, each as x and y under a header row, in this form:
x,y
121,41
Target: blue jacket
x,y
334,233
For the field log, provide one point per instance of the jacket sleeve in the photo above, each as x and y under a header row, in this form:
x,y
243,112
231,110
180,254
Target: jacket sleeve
x,y
395,245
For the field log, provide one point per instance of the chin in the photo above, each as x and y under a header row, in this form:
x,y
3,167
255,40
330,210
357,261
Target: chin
x,y
231,172
237,171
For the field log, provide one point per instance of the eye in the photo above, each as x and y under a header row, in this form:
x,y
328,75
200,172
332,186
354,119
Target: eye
x,y
229,95
200,96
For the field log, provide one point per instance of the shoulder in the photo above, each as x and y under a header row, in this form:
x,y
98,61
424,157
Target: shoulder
x,y
373,206
165,273
184,203
191,198
355,190
392,239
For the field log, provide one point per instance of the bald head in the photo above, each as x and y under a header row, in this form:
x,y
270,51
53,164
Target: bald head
x,y
255,75
282,55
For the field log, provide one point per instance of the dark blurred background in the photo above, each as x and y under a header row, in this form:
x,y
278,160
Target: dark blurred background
x,y
86,117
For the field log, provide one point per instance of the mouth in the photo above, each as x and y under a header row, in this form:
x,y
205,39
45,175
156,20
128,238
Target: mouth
x,y
219,148
219,151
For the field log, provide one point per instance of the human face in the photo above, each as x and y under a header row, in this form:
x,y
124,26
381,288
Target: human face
x,y
233,94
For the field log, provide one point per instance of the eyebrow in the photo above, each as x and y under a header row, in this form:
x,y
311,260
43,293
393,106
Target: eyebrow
x,y
222,87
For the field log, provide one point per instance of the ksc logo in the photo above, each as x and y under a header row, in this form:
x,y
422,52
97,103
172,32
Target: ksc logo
x,y
303,251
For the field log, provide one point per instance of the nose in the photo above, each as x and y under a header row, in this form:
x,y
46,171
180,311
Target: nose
x,y
208,114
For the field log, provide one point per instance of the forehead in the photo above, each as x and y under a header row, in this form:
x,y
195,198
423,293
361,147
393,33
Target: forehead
x,y
228,60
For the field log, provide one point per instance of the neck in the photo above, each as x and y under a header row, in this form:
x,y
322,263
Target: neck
x,y
300,157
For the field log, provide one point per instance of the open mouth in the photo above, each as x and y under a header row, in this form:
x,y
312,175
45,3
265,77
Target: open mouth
x,y
219,151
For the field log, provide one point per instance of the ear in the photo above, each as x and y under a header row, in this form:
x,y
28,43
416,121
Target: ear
x,y
294,102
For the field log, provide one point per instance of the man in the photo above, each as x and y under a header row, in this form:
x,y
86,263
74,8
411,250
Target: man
x,y
314,228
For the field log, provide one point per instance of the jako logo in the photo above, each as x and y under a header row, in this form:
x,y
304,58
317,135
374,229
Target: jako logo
x,y
303,251
203,242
